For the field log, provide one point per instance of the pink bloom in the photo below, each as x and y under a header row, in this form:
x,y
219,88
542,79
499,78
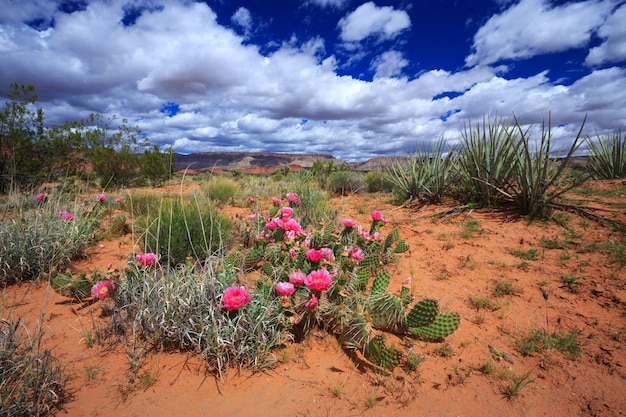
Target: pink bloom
x,y
313,302
292,254
147,259
318,280
328,254
314,255
66,215
234,298
297,278
376,215
348,223
284,288
41,196
286,212
118,200
357,254
276,201
101,197
291,224
253,217
102,290
271,225
292,198
251,199
407,282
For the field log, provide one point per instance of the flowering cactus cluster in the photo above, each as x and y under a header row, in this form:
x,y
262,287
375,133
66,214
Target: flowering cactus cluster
x,y
335,277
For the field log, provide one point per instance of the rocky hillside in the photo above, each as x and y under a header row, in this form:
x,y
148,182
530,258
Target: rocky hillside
x,y
229,161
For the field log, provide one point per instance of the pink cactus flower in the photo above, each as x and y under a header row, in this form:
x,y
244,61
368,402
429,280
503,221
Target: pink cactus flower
x,y
292,198
297,278
286,212
101,197
376,215
251,199
318,280
41,196
234,298
328,254
357,254
103,289
276,201
147,259
348,223
118,200
314,255
66,215
313,302
285,288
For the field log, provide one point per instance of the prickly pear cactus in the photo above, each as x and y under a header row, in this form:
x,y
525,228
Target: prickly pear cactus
x,y
423,313
444,325
387,311
401,247
70,286
384,356
253,256
380,283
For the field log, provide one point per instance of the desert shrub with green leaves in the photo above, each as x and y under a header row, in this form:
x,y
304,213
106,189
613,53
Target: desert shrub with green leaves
x,y
183,230
32,381
608,156
221,189
38,240
345,182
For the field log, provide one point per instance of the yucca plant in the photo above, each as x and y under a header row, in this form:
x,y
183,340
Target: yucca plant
x,y
424,176
489,153
539,174
608,158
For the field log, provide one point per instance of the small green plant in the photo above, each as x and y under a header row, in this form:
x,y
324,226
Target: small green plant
x,y
221,189
483,303
336,387
91,372
414,360
570,282
539,340
527,255
444,350
515,384
504,287
471,228
550,243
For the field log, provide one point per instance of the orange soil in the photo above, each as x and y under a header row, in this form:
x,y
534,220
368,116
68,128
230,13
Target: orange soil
x,y
316,378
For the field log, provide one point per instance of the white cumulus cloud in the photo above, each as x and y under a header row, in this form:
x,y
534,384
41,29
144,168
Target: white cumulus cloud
x,y
371,20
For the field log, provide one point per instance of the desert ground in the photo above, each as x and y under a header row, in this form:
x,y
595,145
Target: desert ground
x,y
471,261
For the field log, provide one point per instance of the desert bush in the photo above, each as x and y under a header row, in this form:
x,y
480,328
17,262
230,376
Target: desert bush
x,y
185,229
32,381
378,182
311,204
489,154
425,176
40,240
182,308
345,182
608,158
221,189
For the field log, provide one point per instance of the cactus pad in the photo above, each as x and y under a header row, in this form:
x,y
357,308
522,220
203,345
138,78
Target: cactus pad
x,y
391,238
387,311
377,352
405,295
444,325
402,246
380,283
423,313
253,256
355,333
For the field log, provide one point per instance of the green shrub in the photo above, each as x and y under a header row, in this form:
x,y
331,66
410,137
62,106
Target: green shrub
x,y
221,189
181,230
37,241
345,182
378,182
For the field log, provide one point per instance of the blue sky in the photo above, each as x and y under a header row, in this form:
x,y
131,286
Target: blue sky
x,y
355,79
